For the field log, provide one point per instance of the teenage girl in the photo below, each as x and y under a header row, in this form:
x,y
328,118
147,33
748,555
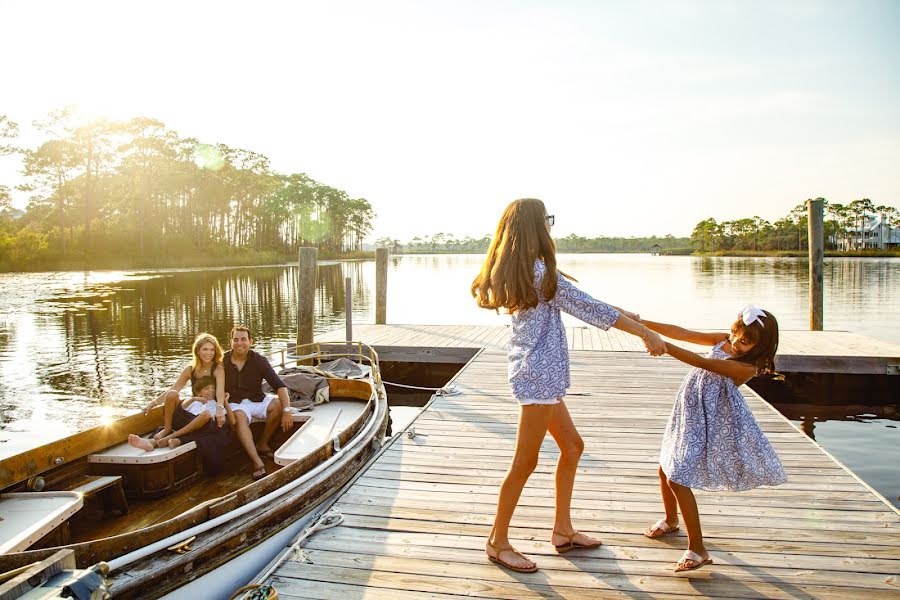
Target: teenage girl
x,y
520,276
712,442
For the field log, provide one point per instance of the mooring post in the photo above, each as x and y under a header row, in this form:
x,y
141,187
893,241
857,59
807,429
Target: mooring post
x,y
306,297
381,266
816,261
348,308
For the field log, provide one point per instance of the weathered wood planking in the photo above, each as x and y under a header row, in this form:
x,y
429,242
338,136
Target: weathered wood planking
x,y
798,352
415,522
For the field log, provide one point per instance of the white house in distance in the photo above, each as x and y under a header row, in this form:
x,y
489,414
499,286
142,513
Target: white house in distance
x,y
876,234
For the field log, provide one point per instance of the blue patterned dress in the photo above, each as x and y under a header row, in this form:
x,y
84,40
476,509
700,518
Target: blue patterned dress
x,y
712,442
538,352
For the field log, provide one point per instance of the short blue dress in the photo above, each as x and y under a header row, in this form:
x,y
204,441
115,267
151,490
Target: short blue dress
x,y
712,442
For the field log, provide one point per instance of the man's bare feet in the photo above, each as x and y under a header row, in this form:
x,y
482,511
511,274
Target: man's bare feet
x,y
265,452
139,442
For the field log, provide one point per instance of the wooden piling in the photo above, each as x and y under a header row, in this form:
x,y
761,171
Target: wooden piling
x,y
348,309
381,266
816,261
306,295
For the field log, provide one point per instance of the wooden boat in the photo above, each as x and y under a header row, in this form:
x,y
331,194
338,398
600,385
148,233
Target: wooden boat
x,y
155,518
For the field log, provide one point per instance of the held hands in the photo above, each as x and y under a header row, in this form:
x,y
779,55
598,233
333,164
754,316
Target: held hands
x,y
654,344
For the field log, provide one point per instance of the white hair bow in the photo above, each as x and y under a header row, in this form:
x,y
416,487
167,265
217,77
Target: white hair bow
x,y
750,314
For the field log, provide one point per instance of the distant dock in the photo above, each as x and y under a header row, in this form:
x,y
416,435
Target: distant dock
x,y
415,521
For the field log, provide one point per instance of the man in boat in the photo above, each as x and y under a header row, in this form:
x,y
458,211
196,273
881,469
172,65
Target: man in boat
x,y
244,374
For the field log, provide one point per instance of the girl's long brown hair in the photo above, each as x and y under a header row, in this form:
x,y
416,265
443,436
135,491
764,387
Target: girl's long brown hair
x,y
506,279
765,343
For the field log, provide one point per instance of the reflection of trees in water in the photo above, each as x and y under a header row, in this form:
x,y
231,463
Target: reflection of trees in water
x,y
145,332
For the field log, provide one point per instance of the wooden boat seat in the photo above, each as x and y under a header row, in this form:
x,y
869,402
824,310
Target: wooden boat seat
x,y
126,454
27,517
323,423
149,474
108,486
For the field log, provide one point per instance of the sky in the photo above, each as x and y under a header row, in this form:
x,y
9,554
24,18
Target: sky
x,y
626,118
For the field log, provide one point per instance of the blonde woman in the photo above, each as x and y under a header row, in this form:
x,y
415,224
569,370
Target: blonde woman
x,y
190,417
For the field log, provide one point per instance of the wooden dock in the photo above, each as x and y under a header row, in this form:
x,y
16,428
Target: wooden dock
x,y
798,351
416,520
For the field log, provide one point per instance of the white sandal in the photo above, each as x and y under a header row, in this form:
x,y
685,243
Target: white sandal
x,y
694,557
662,526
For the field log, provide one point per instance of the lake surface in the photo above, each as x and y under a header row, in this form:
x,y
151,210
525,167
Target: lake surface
x,y
78,347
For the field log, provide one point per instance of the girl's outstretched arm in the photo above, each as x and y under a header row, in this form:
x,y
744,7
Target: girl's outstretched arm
x,y
735,370
686,335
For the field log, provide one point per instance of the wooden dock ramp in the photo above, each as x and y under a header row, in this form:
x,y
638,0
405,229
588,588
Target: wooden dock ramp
x,y
416,520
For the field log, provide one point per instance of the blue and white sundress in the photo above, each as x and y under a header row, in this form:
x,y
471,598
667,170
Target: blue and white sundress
x,y
538,352
712,442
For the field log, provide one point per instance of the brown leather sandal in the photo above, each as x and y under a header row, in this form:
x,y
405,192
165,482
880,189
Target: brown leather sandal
x,y
499,561
572,544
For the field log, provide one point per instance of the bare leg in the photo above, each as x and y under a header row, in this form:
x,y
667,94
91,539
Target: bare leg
x,y
171,402
571,446
669,501
691,516
273,419
245,437
199,422
533,422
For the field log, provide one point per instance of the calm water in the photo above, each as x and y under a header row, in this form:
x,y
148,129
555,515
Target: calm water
x,y
77,347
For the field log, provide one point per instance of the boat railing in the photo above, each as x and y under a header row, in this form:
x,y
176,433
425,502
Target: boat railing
x,y
326,351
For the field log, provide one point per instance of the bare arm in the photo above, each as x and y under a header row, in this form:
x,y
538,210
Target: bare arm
x,y
737,371
287,418
221,400
653,342
686,335
176,387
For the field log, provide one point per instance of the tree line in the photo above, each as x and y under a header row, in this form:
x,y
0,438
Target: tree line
x,y
843,223
138,190
447,243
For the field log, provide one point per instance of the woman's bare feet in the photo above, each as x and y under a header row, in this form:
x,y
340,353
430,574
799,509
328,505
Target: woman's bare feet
x,y
509,557
139,442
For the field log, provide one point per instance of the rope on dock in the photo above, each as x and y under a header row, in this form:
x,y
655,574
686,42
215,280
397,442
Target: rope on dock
x,y
448,390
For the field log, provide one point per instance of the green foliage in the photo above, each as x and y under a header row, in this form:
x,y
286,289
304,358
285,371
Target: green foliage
x,y
788,235
135,193
447,243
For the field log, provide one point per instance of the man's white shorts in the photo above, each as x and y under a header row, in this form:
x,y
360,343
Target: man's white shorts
x,y
254,410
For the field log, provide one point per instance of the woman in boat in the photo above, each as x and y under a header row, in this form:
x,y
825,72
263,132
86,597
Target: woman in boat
x,y
178,420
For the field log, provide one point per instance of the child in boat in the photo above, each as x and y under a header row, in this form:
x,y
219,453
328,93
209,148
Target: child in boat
x,y
190,419
712,441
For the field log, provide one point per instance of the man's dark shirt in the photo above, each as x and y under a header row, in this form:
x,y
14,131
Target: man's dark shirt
x,y
247,383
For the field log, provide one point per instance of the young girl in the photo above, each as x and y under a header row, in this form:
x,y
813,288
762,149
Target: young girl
x,y
207,362
712,441
520,275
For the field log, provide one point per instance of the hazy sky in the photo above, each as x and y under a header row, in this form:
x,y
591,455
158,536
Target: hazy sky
x,y
625,117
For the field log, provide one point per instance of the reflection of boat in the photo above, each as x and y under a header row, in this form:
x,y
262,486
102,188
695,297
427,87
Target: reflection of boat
x,y
151,515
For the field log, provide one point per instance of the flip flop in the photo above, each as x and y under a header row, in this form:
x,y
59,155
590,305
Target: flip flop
x,y
258,474
572,544
693,557
501,562
662,527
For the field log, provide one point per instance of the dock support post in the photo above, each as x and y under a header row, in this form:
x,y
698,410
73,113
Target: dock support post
x,y
348,309
306,295
381,265
816,261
